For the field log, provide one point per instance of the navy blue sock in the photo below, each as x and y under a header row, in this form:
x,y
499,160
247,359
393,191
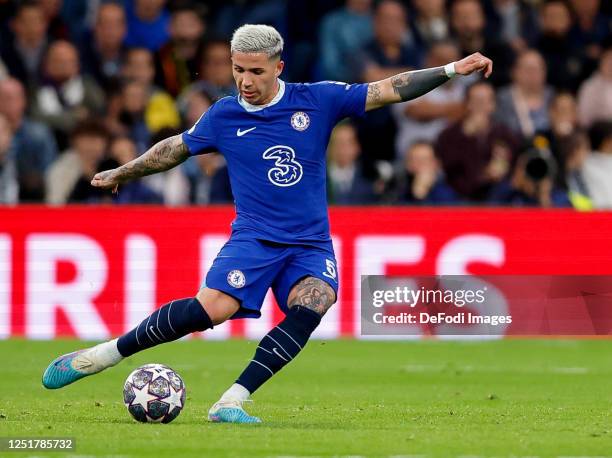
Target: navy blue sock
x,y
169,322
279,346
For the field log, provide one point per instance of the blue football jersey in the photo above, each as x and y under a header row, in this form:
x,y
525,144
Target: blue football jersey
x,y
276,156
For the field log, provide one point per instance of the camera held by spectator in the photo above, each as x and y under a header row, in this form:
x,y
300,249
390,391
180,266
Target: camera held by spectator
x,y
533,181
539,163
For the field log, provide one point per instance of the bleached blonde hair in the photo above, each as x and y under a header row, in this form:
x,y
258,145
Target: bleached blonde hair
x,y
257,38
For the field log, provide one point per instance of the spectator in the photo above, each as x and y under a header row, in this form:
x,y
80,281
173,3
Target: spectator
x,y
468,25
193,103
523,105
202,172
148,24
24,55
346,184
103,52
390,52
571,37
532,183
232,15
123,150
216,68
591,28
220,188
138,66
66,97
172,185
422,180
343,33
595,95
598,165
57,29
303,21
385,56
33,144
576,151
425,117
208,174
476,152
84,193
429,22
159,109
9,187
564,60
89,141
128,114
211,184
179,59
80,15
208,169
514,20
563,117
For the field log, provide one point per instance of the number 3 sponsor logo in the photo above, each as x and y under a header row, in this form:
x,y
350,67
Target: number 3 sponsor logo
x,y
286,171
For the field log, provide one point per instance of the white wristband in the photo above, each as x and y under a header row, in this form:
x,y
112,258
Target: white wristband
x,y
449,69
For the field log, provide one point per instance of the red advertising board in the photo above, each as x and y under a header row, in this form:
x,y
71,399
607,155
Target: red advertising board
x,y
94,272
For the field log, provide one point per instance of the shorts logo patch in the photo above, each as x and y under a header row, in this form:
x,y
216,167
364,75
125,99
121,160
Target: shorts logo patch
x,y
236,279
300,121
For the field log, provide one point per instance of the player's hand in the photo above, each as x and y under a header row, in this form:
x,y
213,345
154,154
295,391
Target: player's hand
x,y
106,180
474,63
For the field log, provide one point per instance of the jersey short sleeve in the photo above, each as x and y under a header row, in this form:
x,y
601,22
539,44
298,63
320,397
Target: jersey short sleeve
x,y
342,99
201,137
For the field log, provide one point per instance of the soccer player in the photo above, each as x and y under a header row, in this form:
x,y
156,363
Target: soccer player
x,y
273,136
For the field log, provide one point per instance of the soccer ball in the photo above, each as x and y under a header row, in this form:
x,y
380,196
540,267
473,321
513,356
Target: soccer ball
x,y
154,393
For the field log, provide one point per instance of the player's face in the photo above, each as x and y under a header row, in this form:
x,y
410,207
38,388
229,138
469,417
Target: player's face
x,y
255,76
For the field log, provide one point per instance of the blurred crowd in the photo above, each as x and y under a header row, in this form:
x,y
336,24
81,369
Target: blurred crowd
x,y
89,85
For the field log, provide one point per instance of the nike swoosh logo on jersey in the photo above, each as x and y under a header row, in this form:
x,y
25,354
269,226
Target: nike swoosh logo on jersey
x,y
240,133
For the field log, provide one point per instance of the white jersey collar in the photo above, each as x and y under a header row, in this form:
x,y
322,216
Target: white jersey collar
x,y
279,95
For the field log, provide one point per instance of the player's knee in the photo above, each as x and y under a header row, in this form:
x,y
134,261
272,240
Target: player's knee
x,y
218,305
314,294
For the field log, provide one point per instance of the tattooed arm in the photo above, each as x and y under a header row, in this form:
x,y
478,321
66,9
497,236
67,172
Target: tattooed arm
x,y
410,85
162,156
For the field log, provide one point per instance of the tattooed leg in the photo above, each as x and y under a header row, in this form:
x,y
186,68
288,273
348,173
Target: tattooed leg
x,y
308,301
314,294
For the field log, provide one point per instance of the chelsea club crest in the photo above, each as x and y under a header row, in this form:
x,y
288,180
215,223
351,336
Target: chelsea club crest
x,y
300,121
236,279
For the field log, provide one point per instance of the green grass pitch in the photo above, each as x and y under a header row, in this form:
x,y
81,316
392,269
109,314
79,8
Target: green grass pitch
x,y
338,398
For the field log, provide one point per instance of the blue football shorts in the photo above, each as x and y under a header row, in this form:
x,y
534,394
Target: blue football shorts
x,y
246,267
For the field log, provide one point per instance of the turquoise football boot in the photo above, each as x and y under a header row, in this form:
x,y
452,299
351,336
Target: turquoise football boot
x,y
62,372
74,366
230,411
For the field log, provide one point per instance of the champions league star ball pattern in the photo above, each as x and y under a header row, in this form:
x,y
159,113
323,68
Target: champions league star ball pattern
x,y
154,393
